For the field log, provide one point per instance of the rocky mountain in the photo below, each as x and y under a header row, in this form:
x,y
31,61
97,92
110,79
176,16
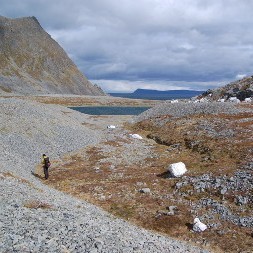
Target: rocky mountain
x,y
31,62
241,89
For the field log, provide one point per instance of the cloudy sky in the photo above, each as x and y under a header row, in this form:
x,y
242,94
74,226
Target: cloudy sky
x,y
156,44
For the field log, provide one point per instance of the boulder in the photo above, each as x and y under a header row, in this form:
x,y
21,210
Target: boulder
x,y
247,100
177,169
172,210
234,100
111,127
136,136
243,94
198,226
145,190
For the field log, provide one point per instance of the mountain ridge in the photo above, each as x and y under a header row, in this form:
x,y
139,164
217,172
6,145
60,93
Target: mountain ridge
x,y
148,91
31,62
159,95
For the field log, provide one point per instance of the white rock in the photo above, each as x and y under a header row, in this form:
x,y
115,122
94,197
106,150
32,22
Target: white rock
x,y
222,100
172,210
111,127
177,169
145,190
247,100
136,136
198,226
173,101
234,99
203,100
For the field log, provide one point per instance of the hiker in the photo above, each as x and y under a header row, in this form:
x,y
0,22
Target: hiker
x,y
46,163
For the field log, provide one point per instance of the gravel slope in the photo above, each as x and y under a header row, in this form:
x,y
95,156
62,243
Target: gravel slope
x,y
184,109
28,129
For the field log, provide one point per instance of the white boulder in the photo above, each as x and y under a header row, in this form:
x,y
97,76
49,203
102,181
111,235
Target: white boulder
x,y
145,190
247,100
234,100
173,101
177,169
136,136
198,226
111,127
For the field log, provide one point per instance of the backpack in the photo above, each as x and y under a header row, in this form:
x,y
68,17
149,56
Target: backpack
x,y
47,162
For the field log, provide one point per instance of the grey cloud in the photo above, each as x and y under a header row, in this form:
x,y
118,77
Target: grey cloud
x,y
162,41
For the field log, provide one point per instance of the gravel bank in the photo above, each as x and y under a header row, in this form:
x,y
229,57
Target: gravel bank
x,y
183,109
36,218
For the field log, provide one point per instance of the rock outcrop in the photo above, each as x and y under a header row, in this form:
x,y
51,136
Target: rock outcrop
x,y
31,62
240,89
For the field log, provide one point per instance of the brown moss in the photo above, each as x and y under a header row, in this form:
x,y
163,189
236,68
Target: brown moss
x,y
117,191
35,204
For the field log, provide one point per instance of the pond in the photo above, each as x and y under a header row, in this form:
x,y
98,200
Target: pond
x,y
110,110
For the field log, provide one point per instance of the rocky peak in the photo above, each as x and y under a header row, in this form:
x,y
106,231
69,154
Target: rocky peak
x,y
31,62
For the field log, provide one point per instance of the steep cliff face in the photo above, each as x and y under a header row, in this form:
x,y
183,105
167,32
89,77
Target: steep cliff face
x,y
31,62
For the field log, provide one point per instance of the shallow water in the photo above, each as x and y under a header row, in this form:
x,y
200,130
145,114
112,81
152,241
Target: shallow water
x,y
110,110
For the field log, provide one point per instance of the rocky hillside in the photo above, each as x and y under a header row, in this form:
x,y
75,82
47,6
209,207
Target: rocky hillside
x,y
31,62
241,89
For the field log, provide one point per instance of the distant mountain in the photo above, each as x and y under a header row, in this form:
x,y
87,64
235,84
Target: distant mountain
x,y
161,95
241,89
31,62
167,92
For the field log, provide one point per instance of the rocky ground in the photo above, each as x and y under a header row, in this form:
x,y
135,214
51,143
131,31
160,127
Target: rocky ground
x,y
215,141
128,177
37,218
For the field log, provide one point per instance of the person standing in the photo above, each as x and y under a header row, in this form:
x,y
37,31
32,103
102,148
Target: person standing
x,y
46,164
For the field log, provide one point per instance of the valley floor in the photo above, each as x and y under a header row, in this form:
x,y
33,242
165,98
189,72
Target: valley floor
x,y
127,178
35,217
217,150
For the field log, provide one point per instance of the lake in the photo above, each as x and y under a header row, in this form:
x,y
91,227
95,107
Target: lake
x,y
110,110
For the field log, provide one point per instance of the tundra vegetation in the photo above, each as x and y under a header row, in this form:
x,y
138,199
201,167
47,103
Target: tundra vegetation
x,y
213,140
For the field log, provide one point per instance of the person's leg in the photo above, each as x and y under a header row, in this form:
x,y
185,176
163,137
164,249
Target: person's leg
x,y
46,172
